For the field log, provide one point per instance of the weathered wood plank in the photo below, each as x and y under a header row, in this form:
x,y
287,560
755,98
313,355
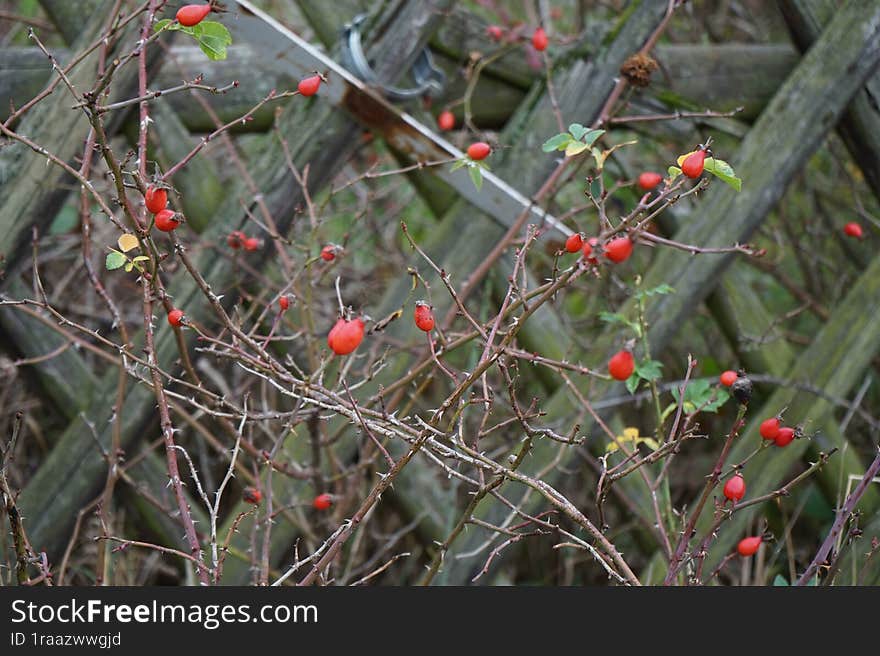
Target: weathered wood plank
x,y
788,131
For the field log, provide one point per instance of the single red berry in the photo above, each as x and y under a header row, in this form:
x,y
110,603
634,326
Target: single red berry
x,y
648,180
284,303
539,39
323,502
479,150
589,246
176,318
251,495
190,15
166,221
310,85
749,546
735,488
424,316
251,244
574,243
618,250
446,120
621,365
155,199
853,229
728,378
769,428
495,32
784,437
328,253
236,239
346,336
692,166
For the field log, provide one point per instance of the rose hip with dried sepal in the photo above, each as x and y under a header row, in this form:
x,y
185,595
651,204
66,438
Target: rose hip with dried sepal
x,y
252,495
176,318
424,316
574,243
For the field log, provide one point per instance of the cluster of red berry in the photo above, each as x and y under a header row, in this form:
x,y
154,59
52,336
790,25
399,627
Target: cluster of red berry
x,y
735,487
156,200
237,239
252,495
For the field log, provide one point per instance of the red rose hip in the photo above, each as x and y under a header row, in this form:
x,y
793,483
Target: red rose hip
x,y
155,199
621,365
735,488
728,378
166,220
785,436
574,243
479,150
749,546
618,250
284,303
446,120
251,495
540,40
346,336
495,32
176,318
692,166
853,229
424,316
648,180
309,86
323,502
190,15
769,428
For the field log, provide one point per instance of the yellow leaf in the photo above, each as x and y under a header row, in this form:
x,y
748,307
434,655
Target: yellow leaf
x,y
630,434
682,158
575,148
127,242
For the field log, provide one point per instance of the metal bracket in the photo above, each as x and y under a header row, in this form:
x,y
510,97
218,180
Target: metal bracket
x,y
282,48
428,77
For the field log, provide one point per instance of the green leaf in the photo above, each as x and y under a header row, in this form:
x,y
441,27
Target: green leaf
x,y
164,24
559,142
632,383
649,369
458,164
213,37
591,136
476,174
140,258
129,266
615,317
673,172
723,171
575,148
595,188
780,581
658,290
577,130
702,394
114,260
